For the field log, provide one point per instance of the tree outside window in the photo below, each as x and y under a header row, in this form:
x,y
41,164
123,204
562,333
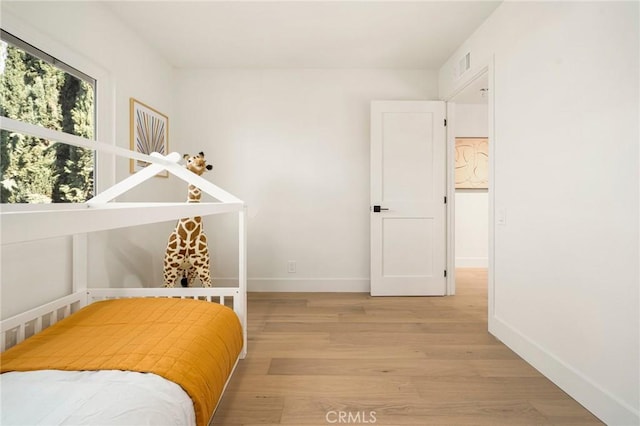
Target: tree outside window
x,y
37,89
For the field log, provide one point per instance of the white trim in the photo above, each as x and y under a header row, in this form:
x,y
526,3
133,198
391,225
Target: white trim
x,y
301,285
451,199
310,285
601,402
242,273
491,193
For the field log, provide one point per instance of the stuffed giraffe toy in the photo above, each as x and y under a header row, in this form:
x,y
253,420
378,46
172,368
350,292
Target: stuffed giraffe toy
x,y
187,253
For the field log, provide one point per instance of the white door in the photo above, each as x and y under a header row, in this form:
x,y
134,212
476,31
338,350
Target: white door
x,y
408,187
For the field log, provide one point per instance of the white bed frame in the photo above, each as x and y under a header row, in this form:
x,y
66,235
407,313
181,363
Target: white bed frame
x,y
22,223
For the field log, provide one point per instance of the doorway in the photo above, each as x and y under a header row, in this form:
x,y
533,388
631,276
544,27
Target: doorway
x,y
471,167
469,137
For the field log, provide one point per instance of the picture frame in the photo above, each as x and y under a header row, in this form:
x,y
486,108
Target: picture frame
x,y
149,132
472,163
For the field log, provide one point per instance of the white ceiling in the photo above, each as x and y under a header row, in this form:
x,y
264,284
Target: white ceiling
x,y
304,34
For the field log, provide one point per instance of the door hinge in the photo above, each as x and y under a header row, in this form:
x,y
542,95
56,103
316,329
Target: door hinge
x,y
445,199
445,273
445,122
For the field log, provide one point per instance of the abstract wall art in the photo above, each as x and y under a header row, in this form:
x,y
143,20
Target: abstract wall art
x,y
149,132
472,163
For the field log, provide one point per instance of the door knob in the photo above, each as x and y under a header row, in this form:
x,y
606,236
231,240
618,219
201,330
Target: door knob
x,y
378,209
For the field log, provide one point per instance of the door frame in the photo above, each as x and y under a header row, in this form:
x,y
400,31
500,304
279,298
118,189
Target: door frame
x,y
466,80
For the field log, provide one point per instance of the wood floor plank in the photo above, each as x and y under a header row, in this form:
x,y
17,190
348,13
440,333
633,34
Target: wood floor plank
x,y
412,340
397,387
371,367
504,368
291,350
565,411
417,367
409,316
240,409
308,411
328,327
487,388
411,360
254,366
492,351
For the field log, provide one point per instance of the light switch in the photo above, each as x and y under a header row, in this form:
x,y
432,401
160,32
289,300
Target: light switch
x,y
501,216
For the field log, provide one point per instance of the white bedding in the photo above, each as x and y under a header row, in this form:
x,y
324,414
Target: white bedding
x,y
107,397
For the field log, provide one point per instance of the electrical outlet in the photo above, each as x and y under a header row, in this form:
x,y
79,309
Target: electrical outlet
x,y
291,266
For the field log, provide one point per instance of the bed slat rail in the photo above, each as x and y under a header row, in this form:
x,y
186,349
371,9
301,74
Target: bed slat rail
x,y
19,327
15,329
211,294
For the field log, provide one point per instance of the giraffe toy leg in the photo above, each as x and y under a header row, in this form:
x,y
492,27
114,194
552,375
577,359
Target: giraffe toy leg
x,y
173,259
201,268
201,261
172,270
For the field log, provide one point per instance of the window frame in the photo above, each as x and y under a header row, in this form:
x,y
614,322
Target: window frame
x,y
39,54
46,57
104,102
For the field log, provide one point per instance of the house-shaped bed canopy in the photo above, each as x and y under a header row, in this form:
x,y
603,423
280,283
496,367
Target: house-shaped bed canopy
x,y
28,222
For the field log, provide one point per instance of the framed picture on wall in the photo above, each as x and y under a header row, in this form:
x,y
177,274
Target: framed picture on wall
x,y
472,163
149,132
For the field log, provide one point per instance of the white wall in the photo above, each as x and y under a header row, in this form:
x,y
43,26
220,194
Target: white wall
x,y
472,205
86,35
294,145
565,283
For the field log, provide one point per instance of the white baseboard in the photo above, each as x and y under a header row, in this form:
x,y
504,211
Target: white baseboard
x,y
472,262
600,402
303,285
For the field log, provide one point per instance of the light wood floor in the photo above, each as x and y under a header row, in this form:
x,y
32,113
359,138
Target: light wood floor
x,y
390,361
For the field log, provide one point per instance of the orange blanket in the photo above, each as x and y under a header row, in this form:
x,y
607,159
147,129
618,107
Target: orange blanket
x,y
190,342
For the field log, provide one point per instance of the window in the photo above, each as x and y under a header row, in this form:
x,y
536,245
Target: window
x,y
39,89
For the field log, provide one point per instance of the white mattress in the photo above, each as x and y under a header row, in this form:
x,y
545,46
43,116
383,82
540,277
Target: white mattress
x,y
108,397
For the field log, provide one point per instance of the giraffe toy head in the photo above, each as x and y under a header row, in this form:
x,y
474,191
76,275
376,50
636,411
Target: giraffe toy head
x,y
197,164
